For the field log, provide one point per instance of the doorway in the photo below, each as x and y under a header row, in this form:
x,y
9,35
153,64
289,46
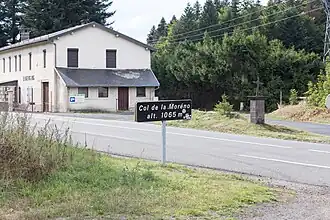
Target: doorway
x,y
45,96
123,98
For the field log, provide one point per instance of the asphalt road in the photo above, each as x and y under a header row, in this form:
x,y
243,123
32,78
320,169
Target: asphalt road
x,y
317,128
285,160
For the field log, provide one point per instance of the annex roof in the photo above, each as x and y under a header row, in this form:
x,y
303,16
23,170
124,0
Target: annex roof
x,y
76,77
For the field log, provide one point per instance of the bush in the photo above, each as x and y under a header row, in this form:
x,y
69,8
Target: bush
x,y
293,99
318,92
29,152
224,108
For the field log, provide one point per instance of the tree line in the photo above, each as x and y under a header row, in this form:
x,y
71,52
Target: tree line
x,y
223,47
46,16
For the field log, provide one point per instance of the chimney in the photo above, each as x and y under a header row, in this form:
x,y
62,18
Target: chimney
x,y
24,34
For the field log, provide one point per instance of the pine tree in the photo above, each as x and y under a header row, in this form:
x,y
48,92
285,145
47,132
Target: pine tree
x,y
46,16
186,23
173,20
209,15
152,36
10,18
161,30
197,11
235,8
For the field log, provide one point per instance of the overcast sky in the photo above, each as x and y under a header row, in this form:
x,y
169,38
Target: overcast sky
x,y
136,17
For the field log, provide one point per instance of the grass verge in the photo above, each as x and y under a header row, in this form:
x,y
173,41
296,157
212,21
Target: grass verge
x,y
96,185
302,113
240,125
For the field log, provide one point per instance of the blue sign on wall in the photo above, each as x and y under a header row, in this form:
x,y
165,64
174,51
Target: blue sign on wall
x,y
72,99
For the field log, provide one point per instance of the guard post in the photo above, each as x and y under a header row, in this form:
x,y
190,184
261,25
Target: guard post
x,y
163,110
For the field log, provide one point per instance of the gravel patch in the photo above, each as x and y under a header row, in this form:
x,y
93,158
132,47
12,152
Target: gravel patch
x,y
308,203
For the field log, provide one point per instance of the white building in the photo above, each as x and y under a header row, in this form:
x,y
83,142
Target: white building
x,y
81,68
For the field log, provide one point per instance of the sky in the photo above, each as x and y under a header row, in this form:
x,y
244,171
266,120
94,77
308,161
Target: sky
x,y
136,17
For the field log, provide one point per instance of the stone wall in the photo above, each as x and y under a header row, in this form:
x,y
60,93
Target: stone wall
x,y
257,111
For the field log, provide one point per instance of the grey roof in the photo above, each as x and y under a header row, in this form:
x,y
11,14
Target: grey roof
x,y
60,33
108,77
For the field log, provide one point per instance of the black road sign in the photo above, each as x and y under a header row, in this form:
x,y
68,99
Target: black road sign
x,y
164,110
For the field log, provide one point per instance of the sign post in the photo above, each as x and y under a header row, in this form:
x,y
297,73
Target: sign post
x,y
164,142
163,110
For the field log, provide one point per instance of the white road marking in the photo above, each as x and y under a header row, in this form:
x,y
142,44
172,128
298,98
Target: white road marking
x,y
285,161
179,134
319,151
105,136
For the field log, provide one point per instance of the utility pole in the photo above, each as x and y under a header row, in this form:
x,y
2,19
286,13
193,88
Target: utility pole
x,y
326,4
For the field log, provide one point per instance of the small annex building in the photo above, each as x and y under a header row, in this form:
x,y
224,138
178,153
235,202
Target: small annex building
x,y
87,67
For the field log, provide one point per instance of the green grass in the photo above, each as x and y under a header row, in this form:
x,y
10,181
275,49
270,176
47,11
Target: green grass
x,y
240,125
96,186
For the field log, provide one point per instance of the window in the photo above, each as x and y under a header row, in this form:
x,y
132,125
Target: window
x,y
103,92
30,61
111,59
19,95
73,58
83,91
15,63
140,92
3,65
20,62
9,63
45,56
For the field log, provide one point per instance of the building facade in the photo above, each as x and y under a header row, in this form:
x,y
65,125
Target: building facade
x,y
87,67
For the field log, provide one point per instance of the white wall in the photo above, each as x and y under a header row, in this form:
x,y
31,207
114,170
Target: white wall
x,y
110,103
40,73
93,42
61,95
150,95
94,102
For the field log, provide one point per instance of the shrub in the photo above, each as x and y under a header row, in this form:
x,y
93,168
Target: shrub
x,y
224,107
29,152
293,99
318,92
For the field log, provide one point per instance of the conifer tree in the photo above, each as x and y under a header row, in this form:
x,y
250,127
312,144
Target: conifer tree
x,y
46,16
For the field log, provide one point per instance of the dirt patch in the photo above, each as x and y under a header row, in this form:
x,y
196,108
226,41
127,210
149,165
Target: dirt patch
x,y
309,202
303,113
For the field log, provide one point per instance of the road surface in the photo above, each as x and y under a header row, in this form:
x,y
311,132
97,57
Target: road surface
x,y
322,129
285,160
317,128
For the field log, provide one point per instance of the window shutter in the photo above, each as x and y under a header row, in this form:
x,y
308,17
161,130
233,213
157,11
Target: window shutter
x,y
73,57
111,59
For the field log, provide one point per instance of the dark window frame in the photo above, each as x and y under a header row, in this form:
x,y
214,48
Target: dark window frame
x,y
30,61
20,62
69,64
111,65
19,95
141,91
103,94
9,62
4,65
45,58
15,63
87,92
